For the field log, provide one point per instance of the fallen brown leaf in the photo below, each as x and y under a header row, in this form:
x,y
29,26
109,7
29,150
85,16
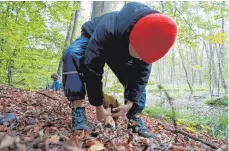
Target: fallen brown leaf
x,y
43,117
96,147
54,139
178,149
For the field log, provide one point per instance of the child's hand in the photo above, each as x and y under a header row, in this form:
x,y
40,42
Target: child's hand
x,y
123,109
109,121
101,113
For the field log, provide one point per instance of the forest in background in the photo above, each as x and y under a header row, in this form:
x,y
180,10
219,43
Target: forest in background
x,y
34,35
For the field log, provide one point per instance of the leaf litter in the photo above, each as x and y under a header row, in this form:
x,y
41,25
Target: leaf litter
x,y
44,124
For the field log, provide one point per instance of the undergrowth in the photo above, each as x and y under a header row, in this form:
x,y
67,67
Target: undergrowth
x,y
215,126
223,101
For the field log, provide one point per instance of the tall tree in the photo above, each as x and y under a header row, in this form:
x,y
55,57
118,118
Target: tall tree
x,y
71,32
100,8
31,36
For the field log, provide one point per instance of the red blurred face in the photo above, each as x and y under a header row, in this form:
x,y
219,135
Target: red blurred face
x,y
133,53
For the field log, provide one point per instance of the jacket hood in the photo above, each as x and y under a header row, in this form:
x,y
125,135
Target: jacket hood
x,y
130,14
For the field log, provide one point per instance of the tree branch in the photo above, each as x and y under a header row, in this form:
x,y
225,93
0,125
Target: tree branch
x,y
176,9
44,94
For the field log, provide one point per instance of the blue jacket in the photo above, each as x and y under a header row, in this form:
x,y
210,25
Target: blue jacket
x,y
109,40
56,85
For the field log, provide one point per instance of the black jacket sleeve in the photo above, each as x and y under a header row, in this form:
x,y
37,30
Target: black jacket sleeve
x,y
94,63
137,80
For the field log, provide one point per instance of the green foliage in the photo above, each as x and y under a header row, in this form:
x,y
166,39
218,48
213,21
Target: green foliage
x,y
158,112
31,41
216,126
199,23
112,84
197,67
218,38
42,26
220,127
218,102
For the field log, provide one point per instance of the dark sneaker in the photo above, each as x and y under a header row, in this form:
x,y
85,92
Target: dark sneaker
x,y
137,126
79,120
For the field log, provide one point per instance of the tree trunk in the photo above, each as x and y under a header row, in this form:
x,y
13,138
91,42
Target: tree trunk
x,y
10,67
125,2
173,67
9,72
214,72
219,66
67,42
186,73
163,70
222,75
100,8
159,72
209,70
162,7
201,64
69,36
76,18
210,78
192,64
199,73
222,48
221,69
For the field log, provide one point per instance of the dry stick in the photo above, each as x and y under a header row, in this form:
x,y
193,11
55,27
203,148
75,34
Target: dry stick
x,y
100,127
44,94
196,138
180,131
173,111
110,140
190,136
5,96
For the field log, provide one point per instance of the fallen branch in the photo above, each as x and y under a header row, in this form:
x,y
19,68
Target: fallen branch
x,y
5,96
110,140
175,124
195,138
190,136
169,98
44,94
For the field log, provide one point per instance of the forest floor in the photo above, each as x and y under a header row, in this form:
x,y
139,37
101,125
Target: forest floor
x,y
187,103
44,123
